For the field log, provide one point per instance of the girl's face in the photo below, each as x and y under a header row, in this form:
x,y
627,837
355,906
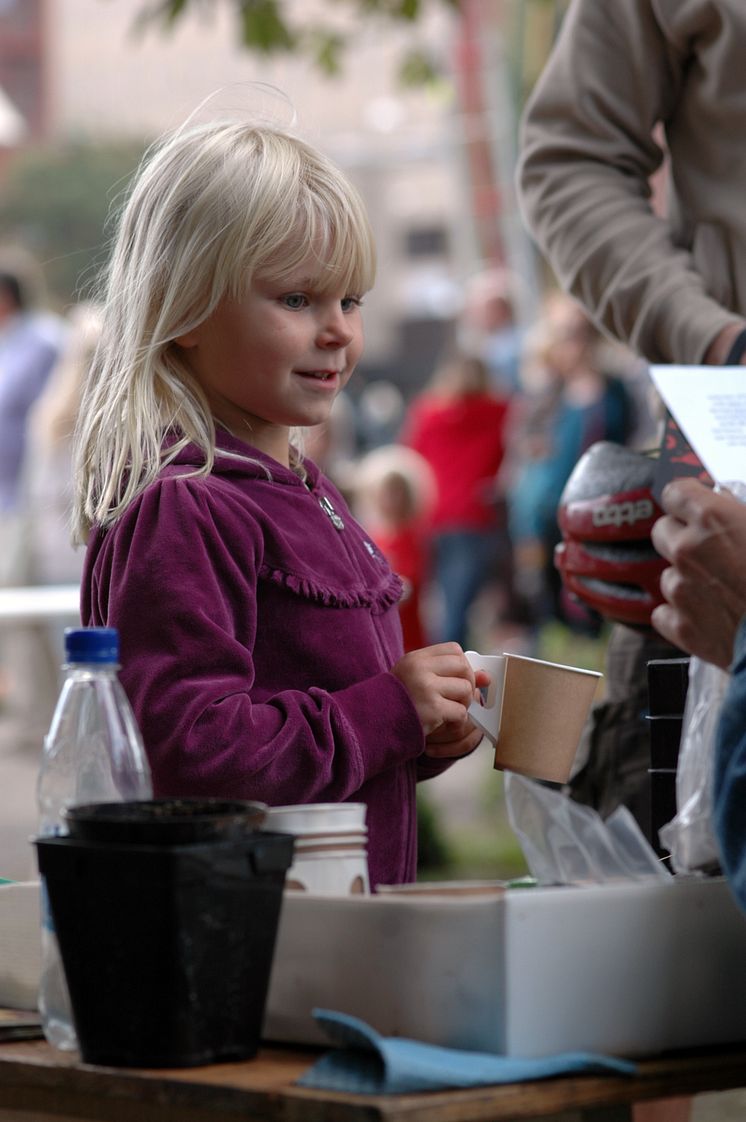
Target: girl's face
x,y
277,358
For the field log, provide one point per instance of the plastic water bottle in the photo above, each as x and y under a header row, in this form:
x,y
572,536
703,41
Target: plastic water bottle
x,y
92,753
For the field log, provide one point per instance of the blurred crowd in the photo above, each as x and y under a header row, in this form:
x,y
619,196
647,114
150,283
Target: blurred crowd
x,y
458,485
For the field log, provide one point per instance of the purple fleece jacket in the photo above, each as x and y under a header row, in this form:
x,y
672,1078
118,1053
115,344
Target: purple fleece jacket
x,y
256,644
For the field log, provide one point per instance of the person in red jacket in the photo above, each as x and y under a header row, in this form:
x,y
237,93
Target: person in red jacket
x,y
457,424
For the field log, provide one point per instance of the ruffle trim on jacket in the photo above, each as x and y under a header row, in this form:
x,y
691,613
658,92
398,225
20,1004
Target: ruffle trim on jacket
x,y
378,599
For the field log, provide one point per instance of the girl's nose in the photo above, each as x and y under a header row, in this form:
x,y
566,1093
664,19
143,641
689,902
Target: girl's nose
x,y
334,330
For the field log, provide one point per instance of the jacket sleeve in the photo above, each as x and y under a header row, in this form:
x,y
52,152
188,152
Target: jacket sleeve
x,y
182,589
587,154
729,785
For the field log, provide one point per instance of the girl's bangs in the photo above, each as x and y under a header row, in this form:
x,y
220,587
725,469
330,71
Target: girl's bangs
x,y
342,244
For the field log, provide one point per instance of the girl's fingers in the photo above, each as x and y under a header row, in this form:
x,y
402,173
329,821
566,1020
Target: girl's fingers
x,y
454,747
452,711
457,689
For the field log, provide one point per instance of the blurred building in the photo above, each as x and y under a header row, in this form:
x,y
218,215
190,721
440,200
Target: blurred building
x,y
24,71
435,165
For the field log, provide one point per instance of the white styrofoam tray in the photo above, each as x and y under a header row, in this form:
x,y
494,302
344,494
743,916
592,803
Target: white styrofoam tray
x,y
630,969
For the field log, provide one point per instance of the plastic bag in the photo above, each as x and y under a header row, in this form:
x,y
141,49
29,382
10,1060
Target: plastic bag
x,y
565,842
689,836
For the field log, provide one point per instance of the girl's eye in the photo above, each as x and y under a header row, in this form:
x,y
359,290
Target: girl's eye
x,y
350,302
295,300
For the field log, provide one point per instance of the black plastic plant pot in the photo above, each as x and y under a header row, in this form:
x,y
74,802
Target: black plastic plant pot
x,y
165,821
167,950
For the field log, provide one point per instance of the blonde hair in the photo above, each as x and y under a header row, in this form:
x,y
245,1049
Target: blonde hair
x,y
212,205
394,462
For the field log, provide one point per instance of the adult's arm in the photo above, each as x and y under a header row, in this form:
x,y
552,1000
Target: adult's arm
x,y
587,154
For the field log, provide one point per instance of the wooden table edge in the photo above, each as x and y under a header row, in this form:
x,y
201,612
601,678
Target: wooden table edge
x,y
35,1078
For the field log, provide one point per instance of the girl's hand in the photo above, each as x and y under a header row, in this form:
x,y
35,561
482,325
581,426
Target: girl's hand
x,y
442,686
451,741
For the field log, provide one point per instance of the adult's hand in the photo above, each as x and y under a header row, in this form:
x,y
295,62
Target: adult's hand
x,y
703,535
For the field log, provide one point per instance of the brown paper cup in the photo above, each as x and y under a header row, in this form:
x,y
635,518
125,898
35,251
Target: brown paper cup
x,y
545,706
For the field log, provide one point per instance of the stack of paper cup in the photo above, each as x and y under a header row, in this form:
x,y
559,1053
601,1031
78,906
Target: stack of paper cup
x,y
330,847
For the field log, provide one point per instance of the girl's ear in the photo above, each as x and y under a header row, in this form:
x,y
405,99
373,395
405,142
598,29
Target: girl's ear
x,y
189,339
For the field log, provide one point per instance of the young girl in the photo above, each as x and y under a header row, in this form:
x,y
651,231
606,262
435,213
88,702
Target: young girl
x,y
261,646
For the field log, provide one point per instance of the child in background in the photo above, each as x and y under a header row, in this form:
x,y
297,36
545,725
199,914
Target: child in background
x,y
261,645
395,491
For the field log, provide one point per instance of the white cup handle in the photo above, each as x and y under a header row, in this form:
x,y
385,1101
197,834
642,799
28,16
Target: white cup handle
x,y
488,715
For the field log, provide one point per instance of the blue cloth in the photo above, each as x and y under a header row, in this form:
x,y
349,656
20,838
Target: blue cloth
x,y
729,777
370,1064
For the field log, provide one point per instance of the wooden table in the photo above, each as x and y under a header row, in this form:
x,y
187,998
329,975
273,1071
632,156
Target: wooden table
x,y
35,1078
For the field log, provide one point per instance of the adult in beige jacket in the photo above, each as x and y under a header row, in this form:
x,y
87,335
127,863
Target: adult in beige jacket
x,y
622,74
673,288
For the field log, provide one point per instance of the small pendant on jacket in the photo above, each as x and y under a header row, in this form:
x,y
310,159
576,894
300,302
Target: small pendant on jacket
x,y
328,509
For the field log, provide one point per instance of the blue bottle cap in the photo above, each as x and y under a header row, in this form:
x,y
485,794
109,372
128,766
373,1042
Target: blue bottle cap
x,y
91,644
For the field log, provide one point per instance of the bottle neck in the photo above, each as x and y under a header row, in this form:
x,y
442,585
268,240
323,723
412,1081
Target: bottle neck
x,y
91,667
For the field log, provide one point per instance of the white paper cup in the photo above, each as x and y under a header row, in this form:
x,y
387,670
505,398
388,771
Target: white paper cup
x,y
316,818
331,841
332,872
545,707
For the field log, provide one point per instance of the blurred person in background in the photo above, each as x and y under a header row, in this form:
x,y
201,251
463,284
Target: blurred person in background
x,y
380,410
31,340
47,470
30,343
578,402
393,498
487,327
457,424
45,553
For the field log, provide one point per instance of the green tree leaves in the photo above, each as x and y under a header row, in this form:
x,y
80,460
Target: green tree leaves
x,y
267,27
55,201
